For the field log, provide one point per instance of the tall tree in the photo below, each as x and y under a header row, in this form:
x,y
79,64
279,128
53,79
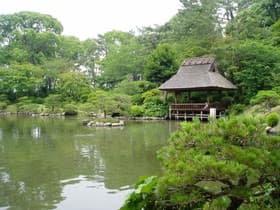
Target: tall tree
x,y
29,37
122,59
161,64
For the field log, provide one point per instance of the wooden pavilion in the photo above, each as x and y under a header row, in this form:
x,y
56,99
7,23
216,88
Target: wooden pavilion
x,y
196,74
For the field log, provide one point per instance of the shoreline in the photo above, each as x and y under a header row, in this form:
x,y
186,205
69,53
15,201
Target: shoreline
x,y
32,114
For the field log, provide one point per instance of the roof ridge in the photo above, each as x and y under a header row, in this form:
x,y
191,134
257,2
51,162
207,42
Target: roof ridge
x,y
198,61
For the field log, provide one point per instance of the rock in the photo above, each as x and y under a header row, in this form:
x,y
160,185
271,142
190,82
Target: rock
x,y
92,114
99,124
85,122
271,131
115,124
89,123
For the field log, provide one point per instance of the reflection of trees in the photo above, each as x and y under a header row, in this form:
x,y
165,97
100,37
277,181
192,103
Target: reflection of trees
x,y
32,168
131,152
37,154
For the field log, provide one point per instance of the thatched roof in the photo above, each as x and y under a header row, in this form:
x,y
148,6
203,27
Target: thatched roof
x,y
197,74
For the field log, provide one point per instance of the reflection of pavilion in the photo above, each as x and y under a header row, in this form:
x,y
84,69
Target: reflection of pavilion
x,y
196,74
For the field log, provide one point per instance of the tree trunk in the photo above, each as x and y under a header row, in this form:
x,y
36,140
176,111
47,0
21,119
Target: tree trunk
x,y
235,203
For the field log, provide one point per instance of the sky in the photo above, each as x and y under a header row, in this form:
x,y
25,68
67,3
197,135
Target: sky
x,y
88,18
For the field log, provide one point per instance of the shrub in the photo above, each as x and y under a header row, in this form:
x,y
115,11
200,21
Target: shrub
x,y
33,108
70,109
53,102
3,105
86,107
136,111
272,119
38,100
153,95
217,165
11,108
277,89
267,97
155,110
226,101
237,109
137,99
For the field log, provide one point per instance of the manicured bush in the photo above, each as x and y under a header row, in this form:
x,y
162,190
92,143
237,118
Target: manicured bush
x,y
155,110
87,108
136,111
70,109
153,95
53,102
224,164
272,119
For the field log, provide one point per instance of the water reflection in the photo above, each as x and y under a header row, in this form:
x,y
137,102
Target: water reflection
x,y
71,166
91,194
36,133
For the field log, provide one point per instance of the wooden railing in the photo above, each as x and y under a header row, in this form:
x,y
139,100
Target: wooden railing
x,y
191,110
190,106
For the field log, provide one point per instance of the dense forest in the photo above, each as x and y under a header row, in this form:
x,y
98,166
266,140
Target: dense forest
x,y
42,70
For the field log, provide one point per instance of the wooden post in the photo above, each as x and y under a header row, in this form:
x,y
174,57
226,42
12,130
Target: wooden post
x,y
176,94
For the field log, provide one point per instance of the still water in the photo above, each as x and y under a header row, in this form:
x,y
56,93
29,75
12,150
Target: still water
x,y
59,164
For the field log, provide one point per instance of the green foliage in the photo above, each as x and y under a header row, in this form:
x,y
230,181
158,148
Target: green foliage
x,y
53,101
109,103
20,80
155,110
70,109
134,87
86,107
161,64
255,67
122,104
153,104
27,104
197,19
74,86
237,109
224,164
136,111
267,97
143,195
153,95
123,58
277,90
3,105
31,108
272,119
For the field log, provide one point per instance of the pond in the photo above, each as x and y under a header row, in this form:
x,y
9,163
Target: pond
x,y
57,163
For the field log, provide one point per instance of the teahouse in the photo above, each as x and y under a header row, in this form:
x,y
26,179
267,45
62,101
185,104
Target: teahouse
x,y
196,74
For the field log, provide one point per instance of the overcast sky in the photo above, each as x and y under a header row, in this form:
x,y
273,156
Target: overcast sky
x,y
87,18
